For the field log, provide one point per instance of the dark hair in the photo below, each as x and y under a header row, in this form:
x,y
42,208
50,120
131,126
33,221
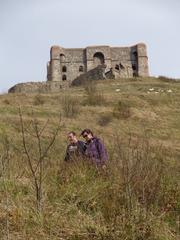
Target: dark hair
x,y
73,133
86,130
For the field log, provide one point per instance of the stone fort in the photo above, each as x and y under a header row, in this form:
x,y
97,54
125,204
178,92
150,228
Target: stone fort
x,y
68,64
74,66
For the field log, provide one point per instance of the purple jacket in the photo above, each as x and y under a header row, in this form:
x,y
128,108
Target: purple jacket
x,y
96,151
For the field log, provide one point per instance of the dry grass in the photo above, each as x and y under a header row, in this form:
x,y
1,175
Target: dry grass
x,y
137,197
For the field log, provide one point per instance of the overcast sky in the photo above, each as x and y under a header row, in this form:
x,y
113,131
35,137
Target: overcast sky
x,y
28,28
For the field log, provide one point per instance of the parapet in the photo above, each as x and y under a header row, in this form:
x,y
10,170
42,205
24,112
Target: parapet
x,y
56,51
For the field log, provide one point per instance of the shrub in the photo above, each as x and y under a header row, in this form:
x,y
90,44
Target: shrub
x,y
121,110
104,119
7,102
93,97
130,202
70,106
90,88
38,100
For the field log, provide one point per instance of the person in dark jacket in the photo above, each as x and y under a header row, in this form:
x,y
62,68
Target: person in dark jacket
x,y
75,148
95,149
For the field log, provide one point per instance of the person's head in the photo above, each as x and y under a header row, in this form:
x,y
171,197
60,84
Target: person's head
x,y
87,134
72,138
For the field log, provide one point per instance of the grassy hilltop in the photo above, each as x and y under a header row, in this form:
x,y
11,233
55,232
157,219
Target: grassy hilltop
x,y
137,197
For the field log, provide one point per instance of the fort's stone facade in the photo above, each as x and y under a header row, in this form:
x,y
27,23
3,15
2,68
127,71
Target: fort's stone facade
x,y
67,64
74,66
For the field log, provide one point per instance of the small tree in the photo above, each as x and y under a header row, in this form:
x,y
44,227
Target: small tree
x,y
36,154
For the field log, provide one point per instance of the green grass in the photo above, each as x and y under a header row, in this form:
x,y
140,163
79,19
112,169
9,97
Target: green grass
x,y
136,197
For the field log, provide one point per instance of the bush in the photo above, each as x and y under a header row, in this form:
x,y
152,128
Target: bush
x,y
93,96
121,110
104,119
38,100
134,202
90,88
6,101
70,106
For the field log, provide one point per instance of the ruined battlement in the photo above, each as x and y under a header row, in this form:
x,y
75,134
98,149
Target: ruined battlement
x,y
73,66
67,64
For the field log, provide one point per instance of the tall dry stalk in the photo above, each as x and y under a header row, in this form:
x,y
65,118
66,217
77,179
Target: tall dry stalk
x,y
36,162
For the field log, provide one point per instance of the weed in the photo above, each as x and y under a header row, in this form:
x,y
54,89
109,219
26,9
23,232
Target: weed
x,y
70,106
7,102
38,100
93,96
104,119
121,110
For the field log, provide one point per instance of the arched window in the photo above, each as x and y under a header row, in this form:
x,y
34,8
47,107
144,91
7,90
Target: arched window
x,y
98,58
62,57
81,69
64,69
117,67
64,78
134,67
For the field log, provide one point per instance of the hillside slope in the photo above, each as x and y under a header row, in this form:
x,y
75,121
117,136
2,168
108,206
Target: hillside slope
x,y
135,197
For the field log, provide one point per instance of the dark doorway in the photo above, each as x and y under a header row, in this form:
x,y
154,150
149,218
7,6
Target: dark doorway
x,y
64,69
98,59
64,78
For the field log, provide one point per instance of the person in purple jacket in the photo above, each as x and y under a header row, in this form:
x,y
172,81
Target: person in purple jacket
x,y
95,149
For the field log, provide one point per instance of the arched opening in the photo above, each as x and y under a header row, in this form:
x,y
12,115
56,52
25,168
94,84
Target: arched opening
x,y
62,57
81,69
64,78
117,67
98,58
134,56
134,67
64,69
135,70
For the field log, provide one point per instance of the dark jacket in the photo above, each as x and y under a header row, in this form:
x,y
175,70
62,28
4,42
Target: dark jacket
x,y
96,152
74,151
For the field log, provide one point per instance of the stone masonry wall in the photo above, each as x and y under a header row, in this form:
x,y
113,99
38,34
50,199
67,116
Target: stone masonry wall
x,y
125,61
73,66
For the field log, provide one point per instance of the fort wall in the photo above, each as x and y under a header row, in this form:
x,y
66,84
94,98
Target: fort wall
x,y
73,66
66,64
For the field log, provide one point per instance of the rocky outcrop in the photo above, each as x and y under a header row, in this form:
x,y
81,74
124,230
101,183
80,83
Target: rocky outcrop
x,y
98,73
36,87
